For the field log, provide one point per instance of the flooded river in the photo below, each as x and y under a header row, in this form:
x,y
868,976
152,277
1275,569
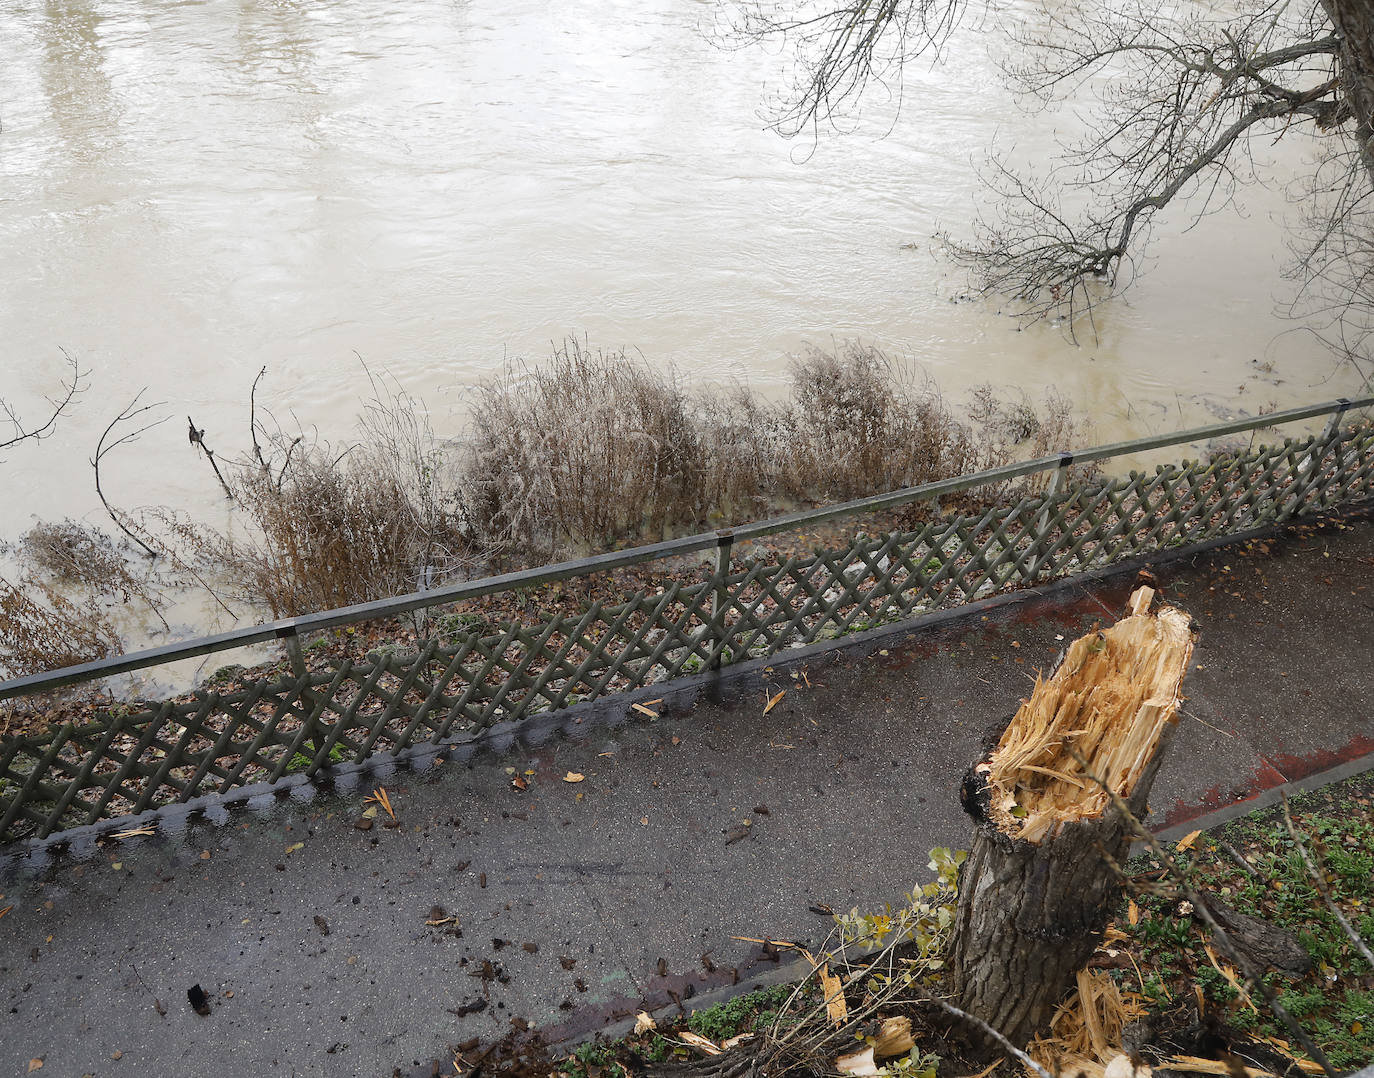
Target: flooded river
x,y
191,191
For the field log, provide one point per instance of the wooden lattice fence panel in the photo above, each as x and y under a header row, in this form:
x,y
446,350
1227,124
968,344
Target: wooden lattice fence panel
x,y
154,753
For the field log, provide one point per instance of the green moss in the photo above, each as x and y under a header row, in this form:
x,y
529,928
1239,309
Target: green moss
x,y
738,1015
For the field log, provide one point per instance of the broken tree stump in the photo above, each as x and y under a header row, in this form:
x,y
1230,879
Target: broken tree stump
x,y
1037,889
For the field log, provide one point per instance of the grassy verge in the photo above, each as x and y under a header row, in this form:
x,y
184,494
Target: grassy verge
x,y
1254,866
739,1017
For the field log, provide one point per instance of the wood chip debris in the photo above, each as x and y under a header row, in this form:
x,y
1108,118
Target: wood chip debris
x,y
859,1064
700,1043
835,1006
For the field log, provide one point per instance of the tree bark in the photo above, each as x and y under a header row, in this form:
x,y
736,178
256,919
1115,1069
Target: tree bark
x,y
1354,24
1039,884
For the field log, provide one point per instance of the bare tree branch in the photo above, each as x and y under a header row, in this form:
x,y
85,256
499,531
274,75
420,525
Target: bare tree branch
x,y
130,412
58,405
1179,96
840,50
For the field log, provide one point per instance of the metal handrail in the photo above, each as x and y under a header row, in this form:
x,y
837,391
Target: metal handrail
x,y
288,628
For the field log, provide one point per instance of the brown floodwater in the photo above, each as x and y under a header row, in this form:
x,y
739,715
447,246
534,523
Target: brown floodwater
x,y
190,191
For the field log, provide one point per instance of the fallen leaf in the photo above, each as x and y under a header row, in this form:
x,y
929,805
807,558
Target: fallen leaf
x,y
644,1022
835,1005
205,855
1187,840
1133,913
574,776
644,821
519,783
6,909
322,925
199,1001
295,846
773,702
35,1064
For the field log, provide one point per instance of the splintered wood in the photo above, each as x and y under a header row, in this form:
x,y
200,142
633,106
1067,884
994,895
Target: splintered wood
x,y
1109,702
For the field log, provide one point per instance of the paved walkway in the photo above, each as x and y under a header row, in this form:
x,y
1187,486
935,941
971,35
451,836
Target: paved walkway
x,y
581,900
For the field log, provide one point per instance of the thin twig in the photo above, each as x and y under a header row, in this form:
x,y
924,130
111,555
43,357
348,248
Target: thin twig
x,y
253,420
1237,857
974,1020
130,410
71,389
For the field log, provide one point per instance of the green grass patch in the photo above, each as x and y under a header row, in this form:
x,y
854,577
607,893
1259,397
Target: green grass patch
x,y
1334,1000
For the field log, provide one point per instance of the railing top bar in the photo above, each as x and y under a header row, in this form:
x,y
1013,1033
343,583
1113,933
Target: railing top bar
x,y
472,589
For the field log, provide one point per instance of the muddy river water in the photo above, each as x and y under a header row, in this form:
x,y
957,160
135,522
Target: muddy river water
x,y
191,191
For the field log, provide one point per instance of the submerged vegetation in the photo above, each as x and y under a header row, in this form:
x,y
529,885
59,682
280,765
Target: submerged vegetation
x,y
587,451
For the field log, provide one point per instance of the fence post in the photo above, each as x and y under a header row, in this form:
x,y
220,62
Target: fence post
x,y
1311,466
1043,522
725,539
291,642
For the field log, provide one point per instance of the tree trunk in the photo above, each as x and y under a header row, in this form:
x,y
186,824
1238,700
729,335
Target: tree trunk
x,y
1036,890
1354,24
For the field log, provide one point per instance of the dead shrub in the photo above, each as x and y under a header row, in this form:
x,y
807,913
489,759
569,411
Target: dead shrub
x,y
742,438
57,611
1017,429
78,555
595,448
591,448
859,425
327,528
41,629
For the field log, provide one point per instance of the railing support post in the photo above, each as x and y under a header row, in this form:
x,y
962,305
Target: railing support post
x,y
725,541
1311,467
1042,524
291,642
